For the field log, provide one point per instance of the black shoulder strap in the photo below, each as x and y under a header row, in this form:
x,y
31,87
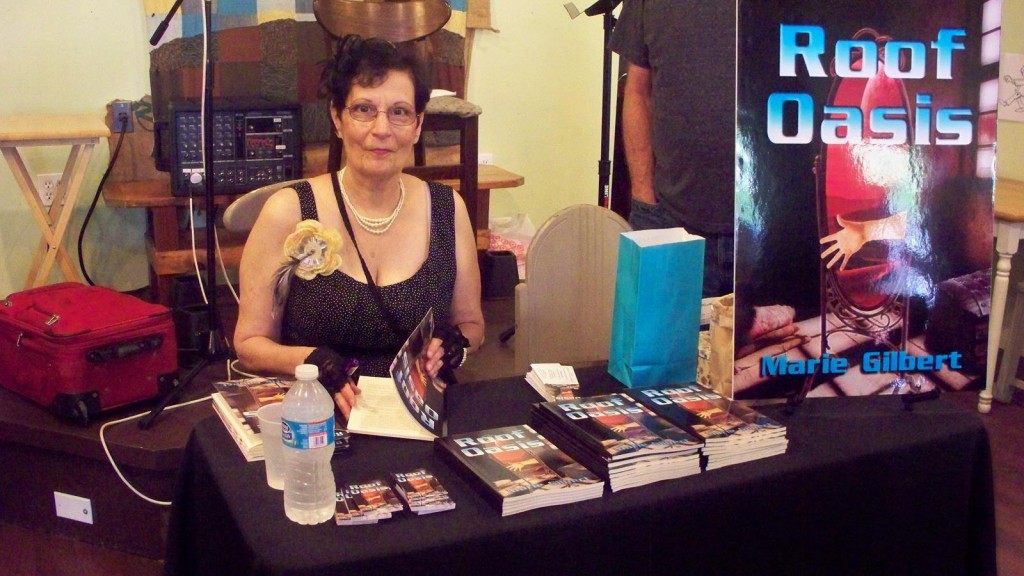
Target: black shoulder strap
x,y
374,290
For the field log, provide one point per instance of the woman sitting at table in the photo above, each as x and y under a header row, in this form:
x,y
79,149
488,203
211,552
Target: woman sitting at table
x,y
345,265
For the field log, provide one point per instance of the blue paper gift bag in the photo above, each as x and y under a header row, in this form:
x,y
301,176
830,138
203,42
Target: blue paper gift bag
x,y
656,316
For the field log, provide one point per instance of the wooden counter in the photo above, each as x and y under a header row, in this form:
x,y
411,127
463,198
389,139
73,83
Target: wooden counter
x,y
169,247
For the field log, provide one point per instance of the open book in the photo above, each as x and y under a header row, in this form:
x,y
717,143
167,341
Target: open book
x,y
379,411
409,405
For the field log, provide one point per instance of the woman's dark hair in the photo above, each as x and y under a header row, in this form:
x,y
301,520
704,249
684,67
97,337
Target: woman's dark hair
x,y
366,61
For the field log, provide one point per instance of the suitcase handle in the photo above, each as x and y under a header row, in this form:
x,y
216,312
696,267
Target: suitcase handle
x,y
124,349
38,317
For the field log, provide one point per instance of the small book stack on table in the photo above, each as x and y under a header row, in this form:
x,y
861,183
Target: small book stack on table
x,y
619,439
732,431
236,402
422,492
553,381
365,503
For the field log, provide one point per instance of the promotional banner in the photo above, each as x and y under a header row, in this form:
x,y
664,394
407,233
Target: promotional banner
x,y
865,142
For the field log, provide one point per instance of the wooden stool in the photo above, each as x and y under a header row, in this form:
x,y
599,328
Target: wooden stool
x,y
1003,390
81,133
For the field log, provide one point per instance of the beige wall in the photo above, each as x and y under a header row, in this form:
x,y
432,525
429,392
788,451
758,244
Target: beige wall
x,y
71,57
538,81
1010,135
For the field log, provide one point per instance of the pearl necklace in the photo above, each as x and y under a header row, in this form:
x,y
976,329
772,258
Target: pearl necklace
x,y
373,225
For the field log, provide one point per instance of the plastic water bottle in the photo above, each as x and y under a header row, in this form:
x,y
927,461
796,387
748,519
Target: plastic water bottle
x,y
307,432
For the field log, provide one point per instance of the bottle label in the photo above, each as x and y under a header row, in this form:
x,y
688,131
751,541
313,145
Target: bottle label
x,y
307,435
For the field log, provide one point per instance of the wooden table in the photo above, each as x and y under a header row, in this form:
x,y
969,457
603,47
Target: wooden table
x,y
81,133
1009,230
56,455
169,248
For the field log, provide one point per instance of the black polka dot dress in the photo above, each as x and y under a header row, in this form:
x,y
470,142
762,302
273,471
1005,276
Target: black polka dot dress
x,y
339,311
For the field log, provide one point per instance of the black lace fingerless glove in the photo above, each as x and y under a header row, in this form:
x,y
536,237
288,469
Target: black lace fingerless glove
x,y
335,369
454,344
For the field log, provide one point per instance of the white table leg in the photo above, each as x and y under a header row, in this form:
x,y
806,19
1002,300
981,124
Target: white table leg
x,y
1008,236
1002,388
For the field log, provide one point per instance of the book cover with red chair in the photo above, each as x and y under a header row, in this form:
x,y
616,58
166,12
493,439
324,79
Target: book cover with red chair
x,y
865,143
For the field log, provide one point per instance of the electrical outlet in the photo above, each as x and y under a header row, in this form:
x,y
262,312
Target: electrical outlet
x,y
485,159
123,116
46,187
73,507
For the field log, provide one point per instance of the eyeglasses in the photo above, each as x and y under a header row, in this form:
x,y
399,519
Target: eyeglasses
x,y
399,115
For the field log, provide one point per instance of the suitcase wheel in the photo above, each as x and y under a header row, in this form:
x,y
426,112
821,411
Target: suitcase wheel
x,y
78,408
80,413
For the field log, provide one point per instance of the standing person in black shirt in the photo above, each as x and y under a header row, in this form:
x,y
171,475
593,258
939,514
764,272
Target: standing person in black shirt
x,y
678,122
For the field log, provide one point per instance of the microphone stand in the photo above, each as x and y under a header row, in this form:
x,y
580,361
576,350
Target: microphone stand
x,y
159,32
215,344
604,165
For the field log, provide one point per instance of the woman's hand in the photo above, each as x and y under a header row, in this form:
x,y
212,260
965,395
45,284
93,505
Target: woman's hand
x,y
338,375
345,399
433,357
443,355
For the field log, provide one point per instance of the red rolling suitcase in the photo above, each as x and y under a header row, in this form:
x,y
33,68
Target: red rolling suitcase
x,y
79,350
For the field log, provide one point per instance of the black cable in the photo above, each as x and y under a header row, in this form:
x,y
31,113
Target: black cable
x,y
96,197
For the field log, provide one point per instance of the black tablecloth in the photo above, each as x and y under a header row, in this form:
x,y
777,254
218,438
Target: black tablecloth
x,y
866,488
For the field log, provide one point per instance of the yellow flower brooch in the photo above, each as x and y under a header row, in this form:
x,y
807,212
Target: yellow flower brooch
x,y
309,251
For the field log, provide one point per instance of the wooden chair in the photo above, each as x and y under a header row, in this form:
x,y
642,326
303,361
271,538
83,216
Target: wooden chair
x,y
563,310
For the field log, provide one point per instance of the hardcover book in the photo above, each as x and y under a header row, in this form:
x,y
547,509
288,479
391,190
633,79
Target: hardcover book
x,y
517,469
236,403
865,149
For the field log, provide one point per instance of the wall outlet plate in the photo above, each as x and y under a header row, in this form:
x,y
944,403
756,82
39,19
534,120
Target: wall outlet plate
x,y
46,187
122,109
485,159
73,507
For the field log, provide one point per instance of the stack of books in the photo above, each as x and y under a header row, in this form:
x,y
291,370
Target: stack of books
x,y
553,381
422,492
621,440
516,469
236,402
365,503
732,431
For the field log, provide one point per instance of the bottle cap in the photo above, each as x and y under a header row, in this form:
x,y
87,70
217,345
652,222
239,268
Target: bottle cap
x,y
307,372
